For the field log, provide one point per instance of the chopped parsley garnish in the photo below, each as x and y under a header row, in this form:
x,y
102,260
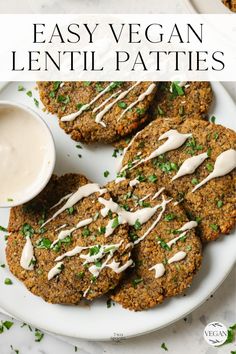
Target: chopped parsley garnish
x,y
143,204
7,324
214,227
93,278
213,119
29,93
216,136
106,173
79,106
8,281
140,111
115,222
102,229
163,244
194,181
94,250
163,346
80,275
152,178
99,87
86,232
2,228
15,350
115,152
36,102
169,217
165,166
63,99
219,203
210,167
87,83
160,111
79,146
115,84
98,264
2,265
136,281
122,104
44,243
21,88
70,210
27,230
56,85
108,303
176,90
193,146
38,335
137,225
231,334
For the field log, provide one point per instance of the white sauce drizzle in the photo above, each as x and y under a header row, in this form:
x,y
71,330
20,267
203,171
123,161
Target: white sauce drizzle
x,y
115,266
190,165
64,233
81,193
73,116
224,164
177,257
140,98
106,109
158,193
120,179
55,270
163,206
159,270
133,182
173,142
61,200
27,255
60,227
146,197
119,165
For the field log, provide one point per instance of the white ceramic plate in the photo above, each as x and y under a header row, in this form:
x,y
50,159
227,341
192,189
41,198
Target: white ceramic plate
x,y
207,7
97,322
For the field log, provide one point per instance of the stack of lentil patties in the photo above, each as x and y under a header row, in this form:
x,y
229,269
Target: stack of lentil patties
x,y
143,239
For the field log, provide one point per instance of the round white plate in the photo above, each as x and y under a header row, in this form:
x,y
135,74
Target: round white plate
x,y
207,7
97,322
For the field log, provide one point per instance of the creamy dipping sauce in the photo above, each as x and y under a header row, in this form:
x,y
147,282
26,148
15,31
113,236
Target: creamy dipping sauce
x,y
26,155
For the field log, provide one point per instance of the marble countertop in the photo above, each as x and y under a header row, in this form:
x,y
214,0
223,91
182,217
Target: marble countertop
x,y
182,337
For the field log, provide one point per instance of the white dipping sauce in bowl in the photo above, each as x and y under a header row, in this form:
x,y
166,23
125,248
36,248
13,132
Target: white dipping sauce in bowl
x,y
27,154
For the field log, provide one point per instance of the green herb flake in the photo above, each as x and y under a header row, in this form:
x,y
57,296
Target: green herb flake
x,y
136,281
214,227
99,87
79,106
106,174
29,93
152,178
2,228
109,303
56,85
115,222
122,105
213,119
36,102
86,232
140,111
7,324
137,225
21,88
216,136
219,204
8,281
209,167
231,334
27,230
44,243
70,210
163,346
169,217
176,89
102,230
38,335
163,244
194,181
63,99
87,83
160,111
79,146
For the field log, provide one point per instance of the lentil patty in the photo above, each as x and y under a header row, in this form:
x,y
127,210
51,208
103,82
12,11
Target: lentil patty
x,y
69,97
213,205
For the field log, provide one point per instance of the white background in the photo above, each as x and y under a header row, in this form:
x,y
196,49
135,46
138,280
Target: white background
x,y
183,337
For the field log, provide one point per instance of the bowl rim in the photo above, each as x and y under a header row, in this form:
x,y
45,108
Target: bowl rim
x,y
45,179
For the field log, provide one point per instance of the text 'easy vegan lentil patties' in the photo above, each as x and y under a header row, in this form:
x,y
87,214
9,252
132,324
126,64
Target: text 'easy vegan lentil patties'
x,y
58,246
98,111
195,161
166,252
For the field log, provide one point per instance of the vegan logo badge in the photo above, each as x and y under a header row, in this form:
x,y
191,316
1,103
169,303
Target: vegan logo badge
x,y
215,333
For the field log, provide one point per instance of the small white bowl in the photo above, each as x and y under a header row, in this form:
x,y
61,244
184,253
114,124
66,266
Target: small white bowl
x,y
47,168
